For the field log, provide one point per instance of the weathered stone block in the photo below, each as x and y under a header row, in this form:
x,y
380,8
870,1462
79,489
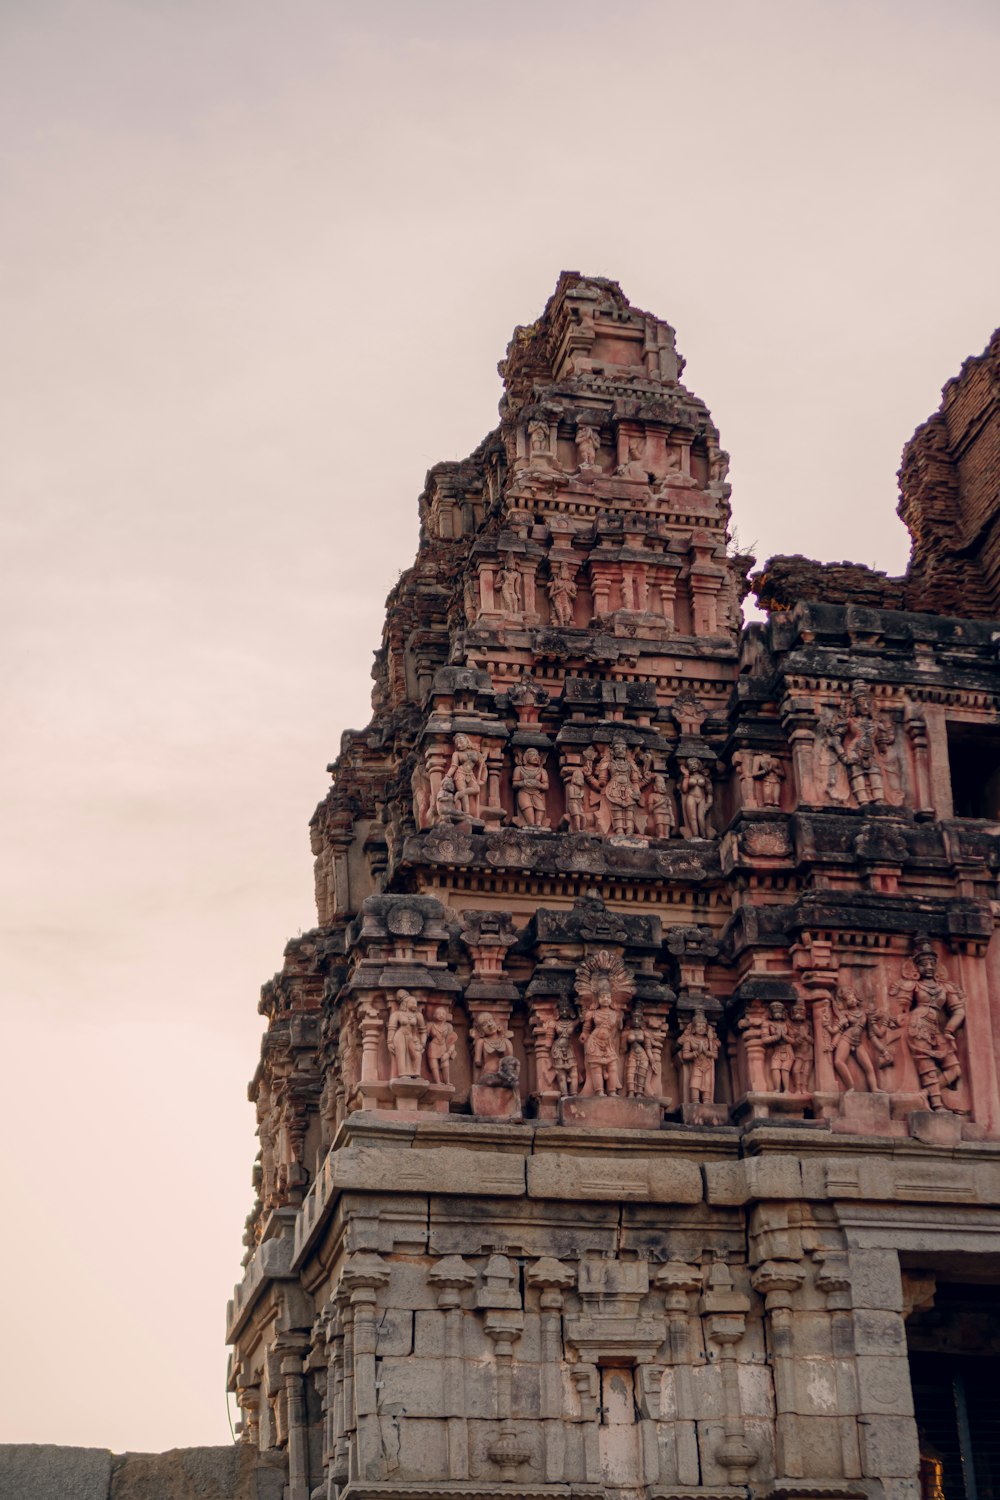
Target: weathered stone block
x,y
42,1471
394,1332
889,1447
560,1174
413,1385
884,1385
876,1281
878,1332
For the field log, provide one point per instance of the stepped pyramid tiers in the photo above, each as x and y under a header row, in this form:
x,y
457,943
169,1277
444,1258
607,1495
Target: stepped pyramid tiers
x,y
649,1016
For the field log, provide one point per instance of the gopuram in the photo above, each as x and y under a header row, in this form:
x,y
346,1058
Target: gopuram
x,y
630,1120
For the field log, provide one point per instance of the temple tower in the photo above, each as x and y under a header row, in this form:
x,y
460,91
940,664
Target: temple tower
x,y
646,1034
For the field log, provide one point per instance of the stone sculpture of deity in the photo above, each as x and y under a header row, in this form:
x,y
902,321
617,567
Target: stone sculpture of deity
x,y
621,779
697,798
803,1047
604,986
468,774
776,1035
507,588
634,466
531,783
640,1062
769,773
576,800
442,1045
847,1026
491,1041
562,1056
588,441
562,591
860,739
660,808
934,1013
406,1035
698,1049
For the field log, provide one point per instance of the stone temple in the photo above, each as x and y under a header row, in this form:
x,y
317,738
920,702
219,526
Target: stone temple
x,y
630,1121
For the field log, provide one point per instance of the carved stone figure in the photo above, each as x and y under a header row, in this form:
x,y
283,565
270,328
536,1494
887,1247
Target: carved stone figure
x,y
860,738
406,1035
639,1059
660,808
777,1039
697,798
576,798
468,773
446,805
601,981
769,773
803,1048
634,466
698,1049
935,1013
442,1045
538,439
507,586
531,782
675,475
562,591
847,1028
562,1056
490,1042
619,777
600,1048
588,441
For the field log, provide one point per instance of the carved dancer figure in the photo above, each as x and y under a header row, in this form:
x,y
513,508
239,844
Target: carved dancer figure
x,y
769,773
562,1057
406,1035
777,1039
442,1045
803,1047
639,1059
490,1043
468,773
562,591
860,738
507,584
936,1013
600,1048
698,1049
634,466
588,441
847,1028
531,782
660,808
697,798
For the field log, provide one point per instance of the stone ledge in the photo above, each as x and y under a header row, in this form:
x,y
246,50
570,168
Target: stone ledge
x,y
469,1489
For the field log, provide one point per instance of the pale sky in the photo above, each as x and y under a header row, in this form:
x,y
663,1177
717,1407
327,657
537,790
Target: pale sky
x,y
258,262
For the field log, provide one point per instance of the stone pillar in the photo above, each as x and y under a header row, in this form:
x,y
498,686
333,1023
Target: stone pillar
x,y
923,798
552,1277
451,1275
363,1274
886,1429
777,1281
298,1436
679,1280
724,1311
834,1281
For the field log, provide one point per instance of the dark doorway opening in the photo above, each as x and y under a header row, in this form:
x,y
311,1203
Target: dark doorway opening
x,y
954,1348
974,758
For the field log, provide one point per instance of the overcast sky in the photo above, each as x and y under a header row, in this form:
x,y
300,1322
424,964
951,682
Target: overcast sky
x,y
258,262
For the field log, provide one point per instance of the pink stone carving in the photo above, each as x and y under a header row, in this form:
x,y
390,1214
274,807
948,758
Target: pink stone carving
x,y
934,1015
406,1035
697,797
531,783
698,1049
